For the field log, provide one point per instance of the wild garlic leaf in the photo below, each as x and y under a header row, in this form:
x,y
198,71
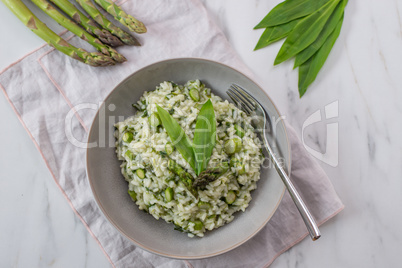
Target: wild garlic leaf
x,y
305,32
204,136
275,33
329,27
179,138
308,71
290,10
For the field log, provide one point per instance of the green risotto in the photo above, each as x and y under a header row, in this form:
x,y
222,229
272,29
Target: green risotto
x,y
154,168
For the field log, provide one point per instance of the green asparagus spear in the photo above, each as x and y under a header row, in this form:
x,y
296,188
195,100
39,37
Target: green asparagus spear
x,y
40,29
210,175
230,197
132,23
89,25
77,30
184,176
89,7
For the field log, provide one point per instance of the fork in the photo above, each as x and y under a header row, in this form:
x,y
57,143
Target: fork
x,y
249,105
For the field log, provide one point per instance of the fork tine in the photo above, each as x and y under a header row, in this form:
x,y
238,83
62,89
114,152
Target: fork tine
x,y
232,97
239,102
244,107
243,100
244,94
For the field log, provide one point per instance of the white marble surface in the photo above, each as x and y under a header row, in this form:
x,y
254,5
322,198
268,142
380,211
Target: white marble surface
x,y
363,73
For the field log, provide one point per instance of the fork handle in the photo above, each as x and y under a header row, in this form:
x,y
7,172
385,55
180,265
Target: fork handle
x,y
301,206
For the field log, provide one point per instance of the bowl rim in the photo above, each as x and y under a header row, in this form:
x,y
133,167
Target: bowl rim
x,y
111,221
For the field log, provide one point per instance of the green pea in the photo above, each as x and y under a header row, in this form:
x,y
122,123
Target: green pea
x,y
169,148
194,94
233,146
204,205
198,225
242,170
129,154
169,195
230,197
239,130
238,144
128,137
140,173
133,195
230,147
154,120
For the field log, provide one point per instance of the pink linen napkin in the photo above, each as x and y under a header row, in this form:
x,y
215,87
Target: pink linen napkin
x,y
46,85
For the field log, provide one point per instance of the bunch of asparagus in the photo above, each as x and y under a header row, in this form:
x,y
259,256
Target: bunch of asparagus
x,y
97,30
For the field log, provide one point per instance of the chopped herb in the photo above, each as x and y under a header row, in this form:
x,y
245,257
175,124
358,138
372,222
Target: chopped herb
x,y
173,84
163,153
137,106
179,228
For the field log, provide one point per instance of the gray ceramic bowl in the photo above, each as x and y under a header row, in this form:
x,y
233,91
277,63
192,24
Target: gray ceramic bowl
x,y
110,188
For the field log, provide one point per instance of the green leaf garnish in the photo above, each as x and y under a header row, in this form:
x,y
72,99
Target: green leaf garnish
x,y
305,32
179,138
308,71
275,33
204,136
311,28
290,10
329,27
